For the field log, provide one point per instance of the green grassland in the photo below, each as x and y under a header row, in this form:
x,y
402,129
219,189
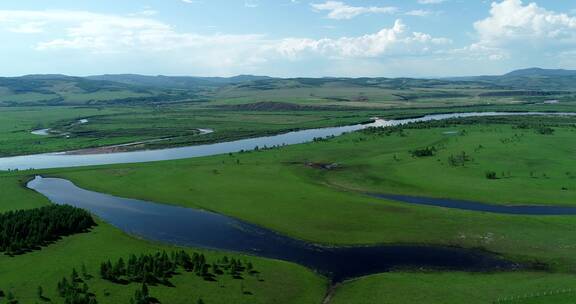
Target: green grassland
x,y
17,123
122,124
284,189
288,189
455,288
278,190
282,282
128,112
531,168
113,125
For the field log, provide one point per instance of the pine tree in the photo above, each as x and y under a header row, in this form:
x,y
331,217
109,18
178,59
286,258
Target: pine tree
x,y
40,292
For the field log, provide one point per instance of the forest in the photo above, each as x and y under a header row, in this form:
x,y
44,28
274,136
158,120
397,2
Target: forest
x,y
26,230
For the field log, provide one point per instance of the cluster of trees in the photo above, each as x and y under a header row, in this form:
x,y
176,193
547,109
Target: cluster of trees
x,y
388,131
491,175
155,99
142,296
25,230
544,129
459,159
160,267
425,152
10,298
75,290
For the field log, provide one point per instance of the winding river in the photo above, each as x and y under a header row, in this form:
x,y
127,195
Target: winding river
x,y
68,159
203,229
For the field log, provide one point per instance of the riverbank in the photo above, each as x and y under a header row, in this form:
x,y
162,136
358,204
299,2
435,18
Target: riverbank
x,y
282,282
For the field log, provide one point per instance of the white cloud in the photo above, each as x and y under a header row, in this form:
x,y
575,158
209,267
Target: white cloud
x,y
134,36
28,28
102,34
477,52
251,3
522,31
147,11
389,41
419,13
431,1
340,10
511,21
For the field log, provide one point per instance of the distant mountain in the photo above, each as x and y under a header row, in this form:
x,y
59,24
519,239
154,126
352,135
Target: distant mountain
x,y
538,72
177,82
55,89
533,79
69,90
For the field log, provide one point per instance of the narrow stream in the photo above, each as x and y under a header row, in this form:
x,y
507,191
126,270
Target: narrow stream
x,y
476,206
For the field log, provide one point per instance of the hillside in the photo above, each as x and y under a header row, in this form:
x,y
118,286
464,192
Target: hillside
x,y
176,82
538,72
55,89
66,90
532,79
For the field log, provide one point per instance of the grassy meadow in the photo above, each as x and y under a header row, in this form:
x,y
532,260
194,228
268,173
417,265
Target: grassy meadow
x,y
455,288
233,112
285,190
289,190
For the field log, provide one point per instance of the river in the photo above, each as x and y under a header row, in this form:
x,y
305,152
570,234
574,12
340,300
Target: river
x,y
70,159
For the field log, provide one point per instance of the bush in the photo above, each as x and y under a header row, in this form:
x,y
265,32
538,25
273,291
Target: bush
x,y
545,131
491,175
426,152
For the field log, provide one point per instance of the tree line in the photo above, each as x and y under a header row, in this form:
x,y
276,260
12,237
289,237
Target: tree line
x,y
158,268
146,269
25,230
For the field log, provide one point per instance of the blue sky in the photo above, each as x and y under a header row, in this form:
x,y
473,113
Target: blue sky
x,y
390,38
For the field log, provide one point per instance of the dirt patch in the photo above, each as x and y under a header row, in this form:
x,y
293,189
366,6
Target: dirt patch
x,y
323,166
107,150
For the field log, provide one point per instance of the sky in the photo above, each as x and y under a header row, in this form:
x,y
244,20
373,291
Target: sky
x,y
286,38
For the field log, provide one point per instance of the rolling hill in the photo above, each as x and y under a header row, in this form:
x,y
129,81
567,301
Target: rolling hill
x,y
57,89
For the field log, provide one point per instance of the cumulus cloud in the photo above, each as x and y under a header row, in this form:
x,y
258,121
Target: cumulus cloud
x,y
102,33
397,40
512,21
341,10
137,36
514,28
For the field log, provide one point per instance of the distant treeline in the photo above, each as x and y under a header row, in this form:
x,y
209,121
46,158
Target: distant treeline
x,y
25,230
522,93
519,122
